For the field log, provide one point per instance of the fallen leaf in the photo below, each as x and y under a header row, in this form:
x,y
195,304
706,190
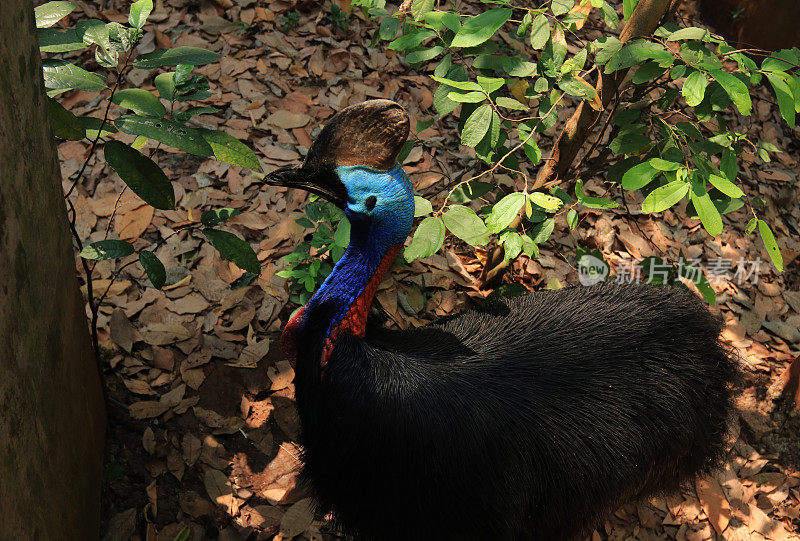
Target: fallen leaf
x,y
133,223
147,409
252,354
281,375
297,518
288,120
714,503
149,441
219,490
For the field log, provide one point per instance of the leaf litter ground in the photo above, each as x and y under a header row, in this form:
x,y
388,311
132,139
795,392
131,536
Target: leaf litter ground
x,y
203,422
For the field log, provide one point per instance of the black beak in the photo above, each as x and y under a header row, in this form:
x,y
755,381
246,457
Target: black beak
x,y
323,182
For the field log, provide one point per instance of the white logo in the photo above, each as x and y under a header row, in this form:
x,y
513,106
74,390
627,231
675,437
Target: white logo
x,y
591,270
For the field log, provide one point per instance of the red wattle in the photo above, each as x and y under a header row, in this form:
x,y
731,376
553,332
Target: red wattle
x,y
354,321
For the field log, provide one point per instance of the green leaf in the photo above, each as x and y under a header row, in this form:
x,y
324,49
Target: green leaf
x,y
605,49
751,225
190,112
466,225
690,33
639,176
504,211
531,148
541,232
547,202
540,31
736,89
50,13
139,101
140,10
784,94
476,125
470,190
141,175
210,218
490,84
609,15
469,97
65,124
61,75
510,103
512,244
167,131
627,8
728,165
694,88
461,85
233,249
480,28
107,249
424,55
648,72
165,84
665,196
572,218
427,240
411,40
770,244
341,237
421,206
59,41
664,165
590,202
708,213
561,7
92,127
194,56
154,268
725,186
388,28
229,149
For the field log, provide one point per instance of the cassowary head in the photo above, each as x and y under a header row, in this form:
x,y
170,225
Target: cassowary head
x,y
353,164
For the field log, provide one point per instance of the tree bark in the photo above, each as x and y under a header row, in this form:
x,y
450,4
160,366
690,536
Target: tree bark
x,y
52,415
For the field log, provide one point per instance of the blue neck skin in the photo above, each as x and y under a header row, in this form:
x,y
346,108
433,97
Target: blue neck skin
x,y
373,231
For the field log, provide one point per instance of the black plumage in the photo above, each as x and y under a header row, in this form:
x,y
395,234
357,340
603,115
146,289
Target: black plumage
x,y
531,418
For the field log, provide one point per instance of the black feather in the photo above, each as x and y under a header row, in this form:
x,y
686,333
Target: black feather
x,y
529,419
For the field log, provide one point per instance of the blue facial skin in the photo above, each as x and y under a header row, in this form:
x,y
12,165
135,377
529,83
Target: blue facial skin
x,y
380,208
392,214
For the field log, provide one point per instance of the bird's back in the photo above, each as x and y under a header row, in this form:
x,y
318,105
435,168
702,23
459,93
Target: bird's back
x,y
528,419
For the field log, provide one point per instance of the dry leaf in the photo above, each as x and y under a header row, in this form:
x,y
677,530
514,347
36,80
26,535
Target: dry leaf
x,y
220,424
191,446
297,518
281,374
174,397
220,491
152,496
100,286
149,441
160,334
123,333
147,409
714,503
288,120
287,417
133,223
252,354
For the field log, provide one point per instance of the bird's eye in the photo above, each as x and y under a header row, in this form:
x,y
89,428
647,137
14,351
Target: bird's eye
x,y
370,202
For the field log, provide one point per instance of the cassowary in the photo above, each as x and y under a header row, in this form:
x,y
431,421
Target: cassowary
x,y
530,418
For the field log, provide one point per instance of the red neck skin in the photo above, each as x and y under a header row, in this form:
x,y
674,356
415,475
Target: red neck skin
x,y
354,321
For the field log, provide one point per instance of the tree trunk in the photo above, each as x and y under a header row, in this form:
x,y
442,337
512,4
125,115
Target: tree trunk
x,y
52,415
